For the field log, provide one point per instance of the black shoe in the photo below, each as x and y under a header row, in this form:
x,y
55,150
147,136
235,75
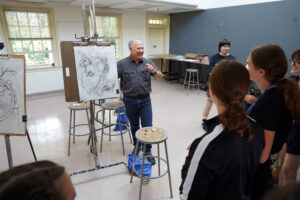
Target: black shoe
x,y
150,158
204,124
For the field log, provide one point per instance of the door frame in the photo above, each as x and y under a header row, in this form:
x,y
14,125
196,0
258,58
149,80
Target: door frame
x,y
165,27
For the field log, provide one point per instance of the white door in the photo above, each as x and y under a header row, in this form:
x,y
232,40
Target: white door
x,y
156,41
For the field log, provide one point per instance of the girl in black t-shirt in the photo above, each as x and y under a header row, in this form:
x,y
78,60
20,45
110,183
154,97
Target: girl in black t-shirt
x,y
274,110
291,161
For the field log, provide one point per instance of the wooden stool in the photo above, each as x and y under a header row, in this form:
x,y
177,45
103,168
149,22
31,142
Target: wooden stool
x,y
77,106
114,106
151,135
187,79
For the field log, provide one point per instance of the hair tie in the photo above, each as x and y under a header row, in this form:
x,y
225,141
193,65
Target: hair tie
x,y
235,102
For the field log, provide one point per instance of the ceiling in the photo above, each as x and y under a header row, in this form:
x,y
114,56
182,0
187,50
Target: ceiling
x,y
149,6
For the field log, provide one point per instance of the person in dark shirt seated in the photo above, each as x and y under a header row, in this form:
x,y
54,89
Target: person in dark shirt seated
x,y
42,180
221,164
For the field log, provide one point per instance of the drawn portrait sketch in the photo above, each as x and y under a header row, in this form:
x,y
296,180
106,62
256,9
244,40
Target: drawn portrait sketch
x,y
97,74
12,104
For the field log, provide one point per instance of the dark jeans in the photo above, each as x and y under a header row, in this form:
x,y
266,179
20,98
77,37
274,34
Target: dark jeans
x,y
136,110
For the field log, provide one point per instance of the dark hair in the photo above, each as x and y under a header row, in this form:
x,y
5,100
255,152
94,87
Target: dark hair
x,y
272,59
296,54
290,191
222,43
31,181
230,81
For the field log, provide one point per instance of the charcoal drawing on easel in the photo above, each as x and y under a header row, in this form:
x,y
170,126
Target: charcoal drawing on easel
x,y
96,69
12,99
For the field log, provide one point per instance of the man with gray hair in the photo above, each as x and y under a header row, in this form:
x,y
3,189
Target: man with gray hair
x,y
135,73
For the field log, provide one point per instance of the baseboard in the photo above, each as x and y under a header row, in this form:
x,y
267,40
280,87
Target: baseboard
x,y
44,93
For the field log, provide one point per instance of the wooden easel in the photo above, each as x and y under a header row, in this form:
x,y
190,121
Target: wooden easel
x,y
23,132
72,94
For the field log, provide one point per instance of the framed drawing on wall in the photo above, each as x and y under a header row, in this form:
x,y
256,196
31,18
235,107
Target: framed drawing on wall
x,y
12,95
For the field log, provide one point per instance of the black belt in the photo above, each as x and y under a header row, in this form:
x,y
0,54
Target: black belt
x,y
137,96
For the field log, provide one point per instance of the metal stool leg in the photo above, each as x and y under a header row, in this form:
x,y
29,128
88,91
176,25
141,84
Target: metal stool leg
x,y
102,131
158,154
74,112
142,172
127,125
167,158
120,126
135,154
70,132
189,83
109,128
88,119
198,82
185,79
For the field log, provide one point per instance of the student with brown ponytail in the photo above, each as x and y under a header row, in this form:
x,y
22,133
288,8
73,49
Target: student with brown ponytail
x,y
291,161
274,110
221,164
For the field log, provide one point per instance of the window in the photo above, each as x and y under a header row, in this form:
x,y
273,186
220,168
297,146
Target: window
x,y
29,33
108,27
157,21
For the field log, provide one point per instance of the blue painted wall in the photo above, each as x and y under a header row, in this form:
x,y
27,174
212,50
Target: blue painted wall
x,y
245,26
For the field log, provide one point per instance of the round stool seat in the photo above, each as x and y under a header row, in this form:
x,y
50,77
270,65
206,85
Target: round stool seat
x,y
113,105
151,135
79,105
192,70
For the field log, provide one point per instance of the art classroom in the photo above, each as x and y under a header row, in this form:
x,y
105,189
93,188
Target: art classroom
x,y
170,46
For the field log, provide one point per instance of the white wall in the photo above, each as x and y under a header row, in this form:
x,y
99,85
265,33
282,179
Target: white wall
x,y
133,26
68,21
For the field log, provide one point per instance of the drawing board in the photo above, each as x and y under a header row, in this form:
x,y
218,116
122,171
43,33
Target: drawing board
x,y
89,71
12,95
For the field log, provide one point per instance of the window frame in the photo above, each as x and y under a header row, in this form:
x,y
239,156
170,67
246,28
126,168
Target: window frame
x,y
108,14
52,32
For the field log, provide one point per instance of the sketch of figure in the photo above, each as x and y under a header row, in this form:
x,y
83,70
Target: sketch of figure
x,y
12,100
96,72
7,95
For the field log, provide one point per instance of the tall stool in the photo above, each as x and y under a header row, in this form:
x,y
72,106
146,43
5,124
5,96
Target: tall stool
x,y
73,107
151,135
114,106
189,79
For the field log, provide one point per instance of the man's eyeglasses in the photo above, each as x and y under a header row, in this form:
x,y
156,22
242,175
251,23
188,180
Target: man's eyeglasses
x,y
296,62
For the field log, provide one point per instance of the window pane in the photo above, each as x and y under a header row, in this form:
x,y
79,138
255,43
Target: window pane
x,y
17,46
39,58
22,18
27,46
13,31
35,32
37,45
100,31
113,21
47,45
30,59
43,19
25,33
33,20
45,32
105,21
51,58
11,18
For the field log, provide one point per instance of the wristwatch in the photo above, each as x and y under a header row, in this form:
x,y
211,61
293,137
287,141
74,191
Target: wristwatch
x,y
155,72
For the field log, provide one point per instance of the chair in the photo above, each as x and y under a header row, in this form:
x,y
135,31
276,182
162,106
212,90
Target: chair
x,y
151,135
73,107
112,106
190,80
